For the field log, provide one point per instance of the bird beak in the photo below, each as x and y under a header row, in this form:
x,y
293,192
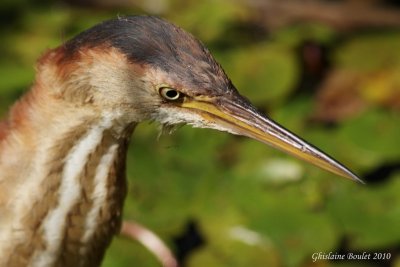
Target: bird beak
x,y
238,116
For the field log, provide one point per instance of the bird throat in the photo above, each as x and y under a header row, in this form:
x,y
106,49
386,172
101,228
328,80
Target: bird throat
x,y
72,208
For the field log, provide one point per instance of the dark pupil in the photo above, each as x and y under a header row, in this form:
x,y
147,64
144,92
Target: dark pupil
x,y
171,94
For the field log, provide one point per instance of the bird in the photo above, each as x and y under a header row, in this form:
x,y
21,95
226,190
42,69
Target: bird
x,y
63,144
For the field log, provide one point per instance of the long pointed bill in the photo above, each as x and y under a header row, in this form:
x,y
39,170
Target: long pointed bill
x,y
241,118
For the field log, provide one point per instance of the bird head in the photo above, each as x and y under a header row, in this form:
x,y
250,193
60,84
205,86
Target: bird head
x,y
146,68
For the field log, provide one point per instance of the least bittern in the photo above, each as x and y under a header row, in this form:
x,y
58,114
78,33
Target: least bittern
x,y
63,145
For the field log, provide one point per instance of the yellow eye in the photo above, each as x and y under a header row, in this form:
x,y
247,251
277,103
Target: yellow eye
x,y
170,93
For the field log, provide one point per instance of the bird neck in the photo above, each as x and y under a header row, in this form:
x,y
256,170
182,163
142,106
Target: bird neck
x,y
62,181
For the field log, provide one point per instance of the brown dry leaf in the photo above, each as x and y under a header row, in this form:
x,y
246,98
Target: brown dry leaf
x,y
338,97
347,93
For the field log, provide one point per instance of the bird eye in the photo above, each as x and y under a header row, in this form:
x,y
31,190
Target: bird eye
x,y
170,93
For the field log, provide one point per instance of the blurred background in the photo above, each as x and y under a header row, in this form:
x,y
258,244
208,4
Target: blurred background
x,y
327,70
